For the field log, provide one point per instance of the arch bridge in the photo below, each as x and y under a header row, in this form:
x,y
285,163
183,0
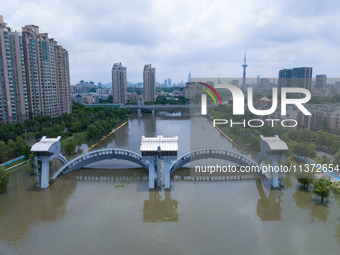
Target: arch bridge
x,y
152,151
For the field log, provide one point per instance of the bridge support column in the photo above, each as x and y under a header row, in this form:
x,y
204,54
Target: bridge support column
x,y
45,173
139,112
151,174
283,162
275,174
167,164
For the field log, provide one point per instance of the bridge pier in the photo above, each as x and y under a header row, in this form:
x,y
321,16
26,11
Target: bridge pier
x,y
45,151
152,174
167,174
166,171
275,174
274,149
139,112
45,173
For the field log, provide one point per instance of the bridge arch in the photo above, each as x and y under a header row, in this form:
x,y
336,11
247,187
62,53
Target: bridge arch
x,y
215,153
98,155
61,158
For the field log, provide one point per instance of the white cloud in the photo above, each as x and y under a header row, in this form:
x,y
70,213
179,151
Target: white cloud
x,y
206,37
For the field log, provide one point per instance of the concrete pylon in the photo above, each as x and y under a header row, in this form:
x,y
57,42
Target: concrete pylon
x,y
166,171
151,174
45,173
275,174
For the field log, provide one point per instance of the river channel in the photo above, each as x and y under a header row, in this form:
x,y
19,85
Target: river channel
x,y
100,210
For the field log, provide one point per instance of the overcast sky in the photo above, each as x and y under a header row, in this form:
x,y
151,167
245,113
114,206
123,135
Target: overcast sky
x,y
175,36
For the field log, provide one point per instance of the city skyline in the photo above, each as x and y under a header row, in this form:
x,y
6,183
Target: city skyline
x,y
211,45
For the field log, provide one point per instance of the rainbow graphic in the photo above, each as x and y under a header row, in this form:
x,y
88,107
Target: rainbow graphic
x,y
209,93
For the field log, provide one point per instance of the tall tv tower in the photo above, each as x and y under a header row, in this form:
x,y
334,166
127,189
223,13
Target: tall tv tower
x,y
244,71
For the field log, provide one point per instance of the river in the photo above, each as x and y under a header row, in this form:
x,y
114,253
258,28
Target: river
x,y
99,210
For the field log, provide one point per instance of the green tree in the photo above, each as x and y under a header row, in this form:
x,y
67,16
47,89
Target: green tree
x,y
79,139
322,187
305,135
4,179
337,158
92,132
305,178
255,143
71,145
76,127
304,149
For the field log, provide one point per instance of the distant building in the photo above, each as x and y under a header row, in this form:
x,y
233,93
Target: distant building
x,y
235,83
149,81
324,116
13,89
165,82
119,84
300,77
320,81
285,78
169,82
265,84
189,77
189,90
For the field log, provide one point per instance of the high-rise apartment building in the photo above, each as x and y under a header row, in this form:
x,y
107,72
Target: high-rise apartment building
x,y
300,77
149,80
47,74
119,84
169,82
13,90
320,81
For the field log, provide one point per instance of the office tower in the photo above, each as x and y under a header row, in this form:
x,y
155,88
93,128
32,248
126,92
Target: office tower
x,y
47,74
149,80
244,71
13,90
169,82
165,82
300,77
189,76
320,81
119,84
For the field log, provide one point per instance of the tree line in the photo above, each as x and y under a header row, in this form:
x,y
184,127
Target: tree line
x,y
16,139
